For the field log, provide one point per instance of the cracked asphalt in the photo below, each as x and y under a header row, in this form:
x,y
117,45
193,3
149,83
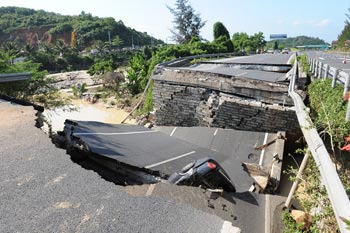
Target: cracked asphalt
x,y
42,190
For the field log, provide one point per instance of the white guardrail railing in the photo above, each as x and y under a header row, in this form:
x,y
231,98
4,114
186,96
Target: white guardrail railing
x,y
322,70
336,192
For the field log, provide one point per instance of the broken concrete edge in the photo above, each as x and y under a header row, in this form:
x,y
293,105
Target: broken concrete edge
x,y
206,75
276,168
279,68
188,58
80,151
227,227
22,102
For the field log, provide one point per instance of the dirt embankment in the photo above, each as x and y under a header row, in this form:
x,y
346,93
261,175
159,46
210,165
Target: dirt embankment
x,y
34,36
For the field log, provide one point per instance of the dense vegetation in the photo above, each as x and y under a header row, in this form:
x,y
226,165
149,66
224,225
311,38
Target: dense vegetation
x,y
87,28
344,36
292,42
328,110
37,89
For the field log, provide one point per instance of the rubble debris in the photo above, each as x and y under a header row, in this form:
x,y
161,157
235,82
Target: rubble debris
x,y
260,176
264,146
302,218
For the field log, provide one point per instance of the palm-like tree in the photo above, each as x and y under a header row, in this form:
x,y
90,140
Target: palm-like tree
x,y
101,46
11,48
117,42
60,47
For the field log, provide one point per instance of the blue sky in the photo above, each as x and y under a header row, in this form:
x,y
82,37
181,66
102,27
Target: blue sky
x,y
322,18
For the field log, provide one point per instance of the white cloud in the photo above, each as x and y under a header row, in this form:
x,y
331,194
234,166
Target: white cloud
x,y
314,23
323,23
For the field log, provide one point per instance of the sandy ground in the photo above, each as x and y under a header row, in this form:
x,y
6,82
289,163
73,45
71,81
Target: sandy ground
x,y
85,112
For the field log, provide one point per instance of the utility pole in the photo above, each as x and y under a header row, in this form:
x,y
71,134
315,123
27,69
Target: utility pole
x,y
132,41
109,38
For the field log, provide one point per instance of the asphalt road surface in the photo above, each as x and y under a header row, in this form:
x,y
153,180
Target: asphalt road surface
x,y
141,147
333,59
244,73
42,190
221,66
278,58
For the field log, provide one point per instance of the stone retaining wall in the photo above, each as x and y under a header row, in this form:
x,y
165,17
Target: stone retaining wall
x,y
193,106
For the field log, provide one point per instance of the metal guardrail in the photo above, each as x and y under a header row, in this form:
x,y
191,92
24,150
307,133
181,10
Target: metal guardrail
x,y
322,70
14,77
336,192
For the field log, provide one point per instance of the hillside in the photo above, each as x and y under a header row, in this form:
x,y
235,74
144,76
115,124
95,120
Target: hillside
x,y
295,41
28,26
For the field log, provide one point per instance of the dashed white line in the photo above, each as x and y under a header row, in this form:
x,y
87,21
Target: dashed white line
x,y
267,214
125,133
216,131
169,160
321,58
172,132
263,150
240,74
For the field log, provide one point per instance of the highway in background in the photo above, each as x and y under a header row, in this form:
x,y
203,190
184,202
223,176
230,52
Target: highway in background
x,y
333,59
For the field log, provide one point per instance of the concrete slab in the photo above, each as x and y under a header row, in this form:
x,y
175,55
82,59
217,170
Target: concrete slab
x,y
245,73
140,147
236,144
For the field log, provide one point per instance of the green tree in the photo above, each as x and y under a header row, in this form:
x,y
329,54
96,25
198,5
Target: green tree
x,y
275,46
187,23
257,41
60,47
344,37
101,66
137,74
220,30
225,43
101,46
11,48
117,42
37,88
240,41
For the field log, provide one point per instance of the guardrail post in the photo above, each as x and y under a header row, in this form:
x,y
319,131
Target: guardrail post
x,y
320,70
335,76
298,178
317,69
326,72
346,85
347,117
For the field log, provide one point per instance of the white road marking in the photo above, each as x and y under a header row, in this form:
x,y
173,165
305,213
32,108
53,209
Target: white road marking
x,y
263,150
240,74
125,133
267,214
169,160
228,228
216,131
172,132
321,58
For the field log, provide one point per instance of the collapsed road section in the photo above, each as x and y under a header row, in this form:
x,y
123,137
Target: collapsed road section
x,y
42,190
149,156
